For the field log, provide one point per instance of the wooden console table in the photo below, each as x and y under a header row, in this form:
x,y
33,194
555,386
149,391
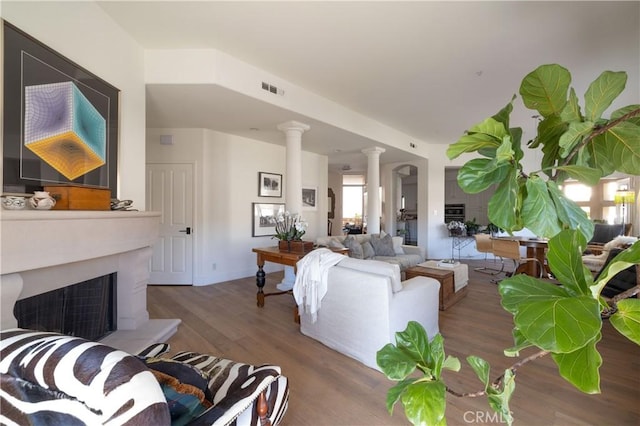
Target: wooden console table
x,y
448,294
272,254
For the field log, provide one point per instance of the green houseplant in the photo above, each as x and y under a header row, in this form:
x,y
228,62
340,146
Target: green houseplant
x,y
562,320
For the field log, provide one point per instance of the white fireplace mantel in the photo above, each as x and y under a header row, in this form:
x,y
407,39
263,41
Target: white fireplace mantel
x,y
45,250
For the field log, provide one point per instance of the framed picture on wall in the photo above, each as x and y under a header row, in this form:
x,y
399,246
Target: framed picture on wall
x,y
264,218
269,184
309,198
60,120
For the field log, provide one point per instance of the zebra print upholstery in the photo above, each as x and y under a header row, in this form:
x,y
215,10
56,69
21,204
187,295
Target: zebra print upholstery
x,y
48,378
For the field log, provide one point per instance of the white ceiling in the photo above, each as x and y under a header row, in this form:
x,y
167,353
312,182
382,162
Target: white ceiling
x,y
428,69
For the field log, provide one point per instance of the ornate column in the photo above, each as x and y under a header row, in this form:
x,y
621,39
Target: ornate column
x,y
373,191
293,131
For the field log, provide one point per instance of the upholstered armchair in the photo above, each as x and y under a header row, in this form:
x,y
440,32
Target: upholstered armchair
x,y
596,260
51,378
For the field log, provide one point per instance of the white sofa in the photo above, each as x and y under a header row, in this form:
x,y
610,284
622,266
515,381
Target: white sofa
x,y
405,256
366,304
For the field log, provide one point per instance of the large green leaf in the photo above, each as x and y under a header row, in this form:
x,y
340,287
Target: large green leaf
x,y
626,110
490,127
504,205
602,92
545,89
559,325
600,157
580,367
414,341
623,143
569,213
538,211
571,111
521,288
395,392
565,260
471,143
574,135
395,363
584,174
627,319
424,403
479,174
481,368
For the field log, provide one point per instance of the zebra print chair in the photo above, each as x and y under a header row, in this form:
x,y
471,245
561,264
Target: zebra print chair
x,y
53,379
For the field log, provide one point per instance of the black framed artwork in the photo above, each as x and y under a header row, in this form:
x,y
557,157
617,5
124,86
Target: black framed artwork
x,y
60,120
269,184
265,216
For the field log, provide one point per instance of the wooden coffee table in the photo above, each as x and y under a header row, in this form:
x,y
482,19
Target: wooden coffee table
x,y
448,295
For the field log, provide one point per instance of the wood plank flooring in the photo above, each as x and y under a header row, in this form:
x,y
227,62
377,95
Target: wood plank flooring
x,y
328,388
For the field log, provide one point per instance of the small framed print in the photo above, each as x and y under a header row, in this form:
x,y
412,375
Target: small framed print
x,y
264,218
309,198
269,184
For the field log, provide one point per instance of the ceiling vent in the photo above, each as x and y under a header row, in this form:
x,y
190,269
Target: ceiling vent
x,y
272,89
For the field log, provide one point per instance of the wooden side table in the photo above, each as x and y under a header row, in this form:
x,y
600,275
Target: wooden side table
x,y
448,295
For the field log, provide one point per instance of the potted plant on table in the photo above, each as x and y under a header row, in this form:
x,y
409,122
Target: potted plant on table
x,y
289,231
575,143
472,227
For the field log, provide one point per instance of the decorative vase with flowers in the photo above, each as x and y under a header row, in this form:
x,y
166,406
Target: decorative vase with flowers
x,y
456,228
289,230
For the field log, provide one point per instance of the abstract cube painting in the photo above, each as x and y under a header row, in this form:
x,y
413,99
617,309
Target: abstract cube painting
x,y
64,129
60,121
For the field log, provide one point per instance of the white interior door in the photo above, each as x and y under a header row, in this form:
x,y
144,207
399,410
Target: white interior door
x,y
170,191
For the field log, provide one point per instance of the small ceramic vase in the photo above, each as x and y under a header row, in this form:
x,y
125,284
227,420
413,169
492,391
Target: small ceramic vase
x,y
41,200
11,202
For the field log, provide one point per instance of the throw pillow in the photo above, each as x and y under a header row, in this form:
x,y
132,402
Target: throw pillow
x,y
367,250
355,249
383,246
335,244
397,245
184,387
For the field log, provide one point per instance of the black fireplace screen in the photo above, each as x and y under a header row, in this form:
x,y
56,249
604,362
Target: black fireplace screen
x,y
86,309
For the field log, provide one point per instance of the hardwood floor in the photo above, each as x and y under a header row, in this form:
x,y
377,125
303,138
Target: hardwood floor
x,y
328,388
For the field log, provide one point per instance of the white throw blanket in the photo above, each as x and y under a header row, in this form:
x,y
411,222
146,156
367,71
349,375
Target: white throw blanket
x,y
311,279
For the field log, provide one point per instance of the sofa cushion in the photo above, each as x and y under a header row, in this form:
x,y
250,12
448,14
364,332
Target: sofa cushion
x,y
405,261
397,244
383,245
375,267
355,249
367,250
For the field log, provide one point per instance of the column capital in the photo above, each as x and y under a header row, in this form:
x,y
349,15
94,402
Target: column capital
x,y
374,150
293,125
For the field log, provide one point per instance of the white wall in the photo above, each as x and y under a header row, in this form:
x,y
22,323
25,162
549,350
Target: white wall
x,y
226,184
82,32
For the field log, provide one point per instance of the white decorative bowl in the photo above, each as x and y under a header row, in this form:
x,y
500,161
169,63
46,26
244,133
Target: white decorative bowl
x,y
11,202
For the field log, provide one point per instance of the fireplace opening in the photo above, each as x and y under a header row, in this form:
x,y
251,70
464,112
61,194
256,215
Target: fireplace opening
x,y
87,309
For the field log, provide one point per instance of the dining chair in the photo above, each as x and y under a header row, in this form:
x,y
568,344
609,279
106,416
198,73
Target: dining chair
x,y
510,249
484,245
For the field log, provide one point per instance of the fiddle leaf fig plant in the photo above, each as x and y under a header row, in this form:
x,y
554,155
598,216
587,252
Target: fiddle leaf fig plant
x,y
562,318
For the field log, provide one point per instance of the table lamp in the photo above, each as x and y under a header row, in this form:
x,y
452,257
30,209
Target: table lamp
x,y
624,197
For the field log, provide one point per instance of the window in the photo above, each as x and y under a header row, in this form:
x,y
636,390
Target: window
x,y
598,200
352,199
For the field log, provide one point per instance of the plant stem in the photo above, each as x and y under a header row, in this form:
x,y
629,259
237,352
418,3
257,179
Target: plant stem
x,y
498,381
599,131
